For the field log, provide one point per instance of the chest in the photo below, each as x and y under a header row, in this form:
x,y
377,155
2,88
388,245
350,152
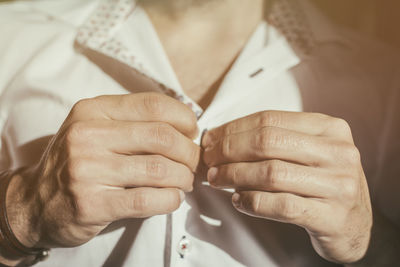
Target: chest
x,y
201,72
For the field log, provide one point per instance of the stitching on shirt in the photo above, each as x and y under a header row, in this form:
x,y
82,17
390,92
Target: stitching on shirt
x,y
290,19
97,34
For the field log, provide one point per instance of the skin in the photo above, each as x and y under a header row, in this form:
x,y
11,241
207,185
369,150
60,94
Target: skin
x,y
113,158
113,152
298,168
101,157
214,33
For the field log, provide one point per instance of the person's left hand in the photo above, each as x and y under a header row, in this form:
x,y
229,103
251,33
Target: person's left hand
x,y
298,168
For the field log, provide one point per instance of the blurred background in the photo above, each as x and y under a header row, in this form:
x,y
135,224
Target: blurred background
x,y
379,19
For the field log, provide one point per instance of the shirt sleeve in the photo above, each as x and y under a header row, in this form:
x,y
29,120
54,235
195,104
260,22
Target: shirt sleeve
x,y
31,123
28,115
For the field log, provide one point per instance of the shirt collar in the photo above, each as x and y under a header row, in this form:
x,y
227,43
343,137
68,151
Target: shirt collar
x,y
300,21
303,25
299,27
97,35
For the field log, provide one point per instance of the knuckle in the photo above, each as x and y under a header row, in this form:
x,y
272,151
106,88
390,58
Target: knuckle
x,y
79,135
82,105
140,203
271,173
321,116
265,140
226,147
155,167
175,200
231,173
235,170
152,103
350,189
288,209
230,128
76,169
268,118
341,124
347,153
164,135
353,154
75,132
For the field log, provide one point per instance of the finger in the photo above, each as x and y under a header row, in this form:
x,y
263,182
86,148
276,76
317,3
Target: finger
x,y
282,207
140,171
142,107
132,138
140,202
274,176
308,123
276,143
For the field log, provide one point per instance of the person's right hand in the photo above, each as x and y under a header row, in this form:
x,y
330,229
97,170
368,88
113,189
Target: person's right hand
x,y
115,157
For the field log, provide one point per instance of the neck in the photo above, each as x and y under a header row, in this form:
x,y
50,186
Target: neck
x,y
220,14
202,38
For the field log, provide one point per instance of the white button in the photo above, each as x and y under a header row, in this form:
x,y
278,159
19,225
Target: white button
x,y
184,246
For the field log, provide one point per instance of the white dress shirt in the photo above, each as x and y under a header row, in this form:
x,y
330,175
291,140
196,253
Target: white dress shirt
x,y
54,53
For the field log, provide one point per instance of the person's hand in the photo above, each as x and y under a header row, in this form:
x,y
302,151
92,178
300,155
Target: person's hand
x,y
115,157
298,168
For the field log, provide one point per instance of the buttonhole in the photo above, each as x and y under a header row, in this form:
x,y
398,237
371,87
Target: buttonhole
x,y
254,74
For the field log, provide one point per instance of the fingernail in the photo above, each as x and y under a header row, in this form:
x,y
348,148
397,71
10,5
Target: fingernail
x,y
235,199
181,195
212,174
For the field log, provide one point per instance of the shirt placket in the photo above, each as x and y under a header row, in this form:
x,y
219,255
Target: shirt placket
x,y
97,34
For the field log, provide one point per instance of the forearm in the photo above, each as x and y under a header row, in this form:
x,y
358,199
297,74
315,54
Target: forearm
x,y
384,249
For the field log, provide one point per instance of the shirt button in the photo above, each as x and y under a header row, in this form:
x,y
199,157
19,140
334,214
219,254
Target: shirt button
x,y
184,246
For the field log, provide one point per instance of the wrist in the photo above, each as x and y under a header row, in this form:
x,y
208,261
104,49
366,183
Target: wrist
x,y
19,220
21,209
